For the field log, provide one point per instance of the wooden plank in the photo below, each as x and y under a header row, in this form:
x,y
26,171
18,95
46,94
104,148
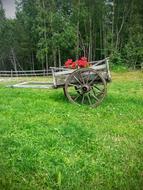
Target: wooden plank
x,y
31,86
35,85
63,72
99,67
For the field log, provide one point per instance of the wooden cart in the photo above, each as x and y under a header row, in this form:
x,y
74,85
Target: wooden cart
x,y
84,86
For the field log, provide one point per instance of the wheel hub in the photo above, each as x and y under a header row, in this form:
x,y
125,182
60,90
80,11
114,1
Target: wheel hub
x,y
85,88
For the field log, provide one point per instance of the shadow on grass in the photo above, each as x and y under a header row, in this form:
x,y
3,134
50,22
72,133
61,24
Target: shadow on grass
x,y
58,96
111,100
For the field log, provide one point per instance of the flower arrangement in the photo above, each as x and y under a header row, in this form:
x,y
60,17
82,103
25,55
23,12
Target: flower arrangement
x,y
80,63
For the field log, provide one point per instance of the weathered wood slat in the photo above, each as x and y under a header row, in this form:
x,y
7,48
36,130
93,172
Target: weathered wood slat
x,y
63,72
33,85
99,67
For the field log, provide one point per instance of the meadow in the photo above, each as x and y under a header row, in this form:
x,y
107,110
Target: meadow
x,y
47,143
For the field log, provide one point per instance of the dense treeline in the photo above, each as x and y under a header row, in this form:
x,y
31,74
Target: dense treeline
x,y
47,32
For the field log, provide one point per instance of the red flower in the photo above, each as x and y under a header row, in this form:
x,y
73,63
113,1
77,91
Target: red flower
x,y
81,63
84,58
74,65
68,63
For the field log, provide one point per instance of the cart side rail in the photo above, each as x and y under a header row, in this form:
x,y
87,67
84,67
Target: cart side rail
x,y
102,66
60,74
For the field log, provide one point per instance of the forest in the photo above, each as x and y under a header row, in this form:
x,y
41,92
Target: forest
x,y
46,33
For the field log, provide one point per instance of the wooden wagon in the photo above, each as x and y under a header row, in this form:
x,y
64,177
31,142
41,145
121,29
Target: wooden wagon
x,y
83,86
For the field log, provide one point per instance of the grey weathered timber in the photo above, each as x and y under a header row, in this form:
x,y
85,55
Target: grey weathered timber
x,y
42,85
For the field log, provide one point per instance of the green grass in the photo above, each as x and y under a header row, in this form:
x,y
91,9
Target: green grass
x,y
46,143
119,68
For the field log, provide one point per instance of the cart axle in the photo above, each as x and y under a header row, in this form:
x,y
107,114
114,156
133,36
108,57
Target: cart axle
x,y
85,88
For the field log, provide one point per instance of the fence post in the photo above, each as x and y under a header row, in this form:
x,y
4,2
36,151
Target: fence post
x,y
142,66
11,73
44,72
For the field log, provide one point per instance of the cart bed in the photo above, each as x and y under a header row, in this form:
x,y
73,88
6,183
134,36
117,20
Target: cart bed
x,y
61,74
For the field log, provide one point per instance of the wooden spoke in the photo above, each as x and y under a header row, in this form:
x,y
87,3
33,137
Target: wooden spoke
x,y
82,79
76,98
83,97
97,88
94,95
71,84
93,91
98,91
91,82
88,77
77,80
89,100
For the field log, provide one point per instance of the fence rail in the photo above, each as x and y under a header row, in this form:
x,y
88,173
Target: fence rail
x,y
25,73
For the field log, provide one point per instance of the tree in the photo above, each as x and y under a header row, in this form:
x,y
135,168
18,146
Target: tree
x,y
47,32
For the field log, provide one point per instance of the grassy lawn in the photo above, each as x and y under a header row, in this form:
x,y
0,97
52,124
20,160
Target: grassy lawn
x,y
46,143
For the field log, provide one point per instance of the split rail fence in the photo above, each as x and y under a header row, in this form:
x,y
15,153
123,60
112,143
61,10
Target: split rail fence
x,y
28,73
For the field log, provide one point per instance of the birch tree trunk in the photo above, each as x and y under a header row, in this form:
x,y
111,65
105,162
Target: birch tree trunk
x,y
13,59
45,36
90,40
59,56
77,46
113,19
54,57
32,60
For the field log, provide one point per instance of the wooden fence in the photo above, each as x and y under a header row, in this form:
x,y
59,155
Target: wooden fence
x,y
28,73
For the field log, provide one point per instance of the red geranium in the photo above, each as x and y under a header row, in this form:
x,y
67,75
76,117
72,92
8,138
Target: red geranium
x,y
83,58
68,63
80,63
74,65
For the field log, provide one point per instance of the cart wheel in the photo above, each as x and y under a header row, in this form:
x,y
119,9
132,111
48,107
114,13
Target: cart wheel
x,y
85,86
